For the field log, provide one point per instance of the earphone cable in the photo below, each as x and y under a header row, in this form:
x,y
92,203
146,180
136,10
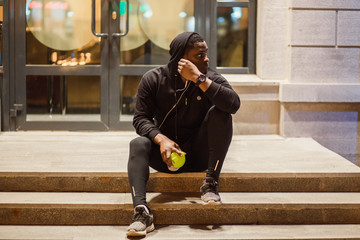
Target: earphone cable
x,y
182,94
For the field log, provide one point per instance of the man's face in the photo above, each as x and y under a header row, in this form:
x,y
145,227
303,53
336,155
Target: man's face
x,y
198,56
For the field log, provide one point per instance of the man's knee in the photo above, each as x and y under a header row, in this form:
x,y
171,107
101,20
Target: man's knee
x,y
219,116
140,144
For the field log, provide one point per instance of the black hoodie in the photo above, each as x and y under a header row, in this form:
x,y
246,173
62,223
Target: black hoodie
x,y
157,95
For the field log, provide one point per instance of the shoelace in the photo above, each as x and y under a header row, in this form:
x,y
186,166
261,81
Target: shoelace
x,y
140,215
210,187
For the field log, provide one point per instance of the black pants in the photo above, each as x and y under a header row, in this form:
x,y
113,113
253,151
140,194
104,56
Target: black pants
x,y
206,150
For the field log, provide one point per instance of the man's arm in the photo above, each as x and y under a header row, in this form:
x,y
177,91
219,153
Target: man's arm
x,y
219,91
143,120
145,106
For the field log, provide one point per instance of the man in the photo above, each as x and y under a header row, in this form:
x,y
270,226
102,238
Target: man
x,y
182,106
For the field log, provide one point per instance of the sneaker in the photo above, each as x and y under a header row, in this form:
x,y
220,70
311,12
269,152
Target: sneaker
x,y
209,192
142,222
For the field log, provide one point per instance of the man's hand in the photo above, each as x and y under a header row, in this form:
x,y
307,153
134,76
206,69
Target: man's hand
x,y
167,147
188,70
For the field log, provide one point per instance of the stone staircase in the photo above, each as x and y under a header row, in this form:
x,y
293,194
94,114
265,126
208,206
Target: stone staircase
x,y
298,199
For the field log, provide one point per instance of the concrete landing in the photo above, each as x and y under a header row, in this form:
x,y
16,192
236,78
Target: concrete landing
x,y
184,232
108,152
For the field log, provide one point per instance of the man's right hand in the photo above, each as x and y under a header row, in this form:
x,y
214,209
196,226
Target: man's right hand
x,y
167,147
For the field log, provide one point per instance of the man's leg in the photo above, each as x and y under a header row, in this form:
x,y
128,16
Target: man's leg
x,y
211,143
138,173
220,131
210,147
138,169
143,153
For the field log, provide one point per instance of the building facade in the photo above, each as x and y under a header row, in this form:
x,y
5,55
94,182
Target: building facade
x,y
308,55
76,64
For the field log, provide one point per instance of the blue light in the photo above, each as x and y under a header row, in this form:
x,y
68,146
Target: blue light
x,y
190,24
236,13
148,13
221,19
182,14
144,7
70,14
28,12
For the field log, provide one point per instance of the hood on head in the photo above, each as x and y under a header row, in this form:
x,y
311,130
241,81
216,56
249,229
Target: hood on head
x,y
177,51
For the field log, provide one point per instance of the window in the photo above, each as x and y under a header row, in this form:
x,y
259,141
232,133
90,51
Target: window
x,y
235,36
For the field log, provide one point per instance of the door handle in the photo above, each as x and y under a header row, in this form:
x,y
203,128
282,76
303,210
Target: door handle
x,y
93,22
17,108
126,24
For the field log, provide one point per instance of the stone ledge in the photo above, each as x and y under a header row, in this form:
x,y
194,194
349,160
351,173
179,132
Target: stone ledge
x,y
252,88
238,208
302,92
184,182
250,80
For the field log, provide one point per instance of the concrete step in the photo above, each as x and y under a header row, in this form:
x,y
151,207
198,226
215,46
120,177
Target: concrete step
x,y
97,162
185,182
179,208
185,232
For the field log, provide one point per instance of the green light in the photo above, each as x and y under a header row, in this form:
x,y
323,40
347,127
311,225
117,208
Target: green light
x,y
122,8
144,7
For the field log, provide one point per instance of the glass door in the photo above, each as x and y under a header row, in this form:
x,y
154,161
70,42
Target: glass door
x,y
78,62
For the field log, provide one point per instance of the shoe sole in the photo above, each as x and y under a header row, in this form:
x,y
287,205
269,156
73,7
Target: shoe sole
x,y
212,203
133,233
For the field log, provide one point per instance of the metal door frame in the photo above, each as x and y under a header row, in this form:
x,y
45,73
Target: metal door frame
x,y
6,90
23,69
1,66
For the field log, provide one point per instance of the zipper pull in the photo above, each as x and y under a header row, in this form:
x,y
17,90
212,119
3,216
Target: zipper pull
x,y
186,101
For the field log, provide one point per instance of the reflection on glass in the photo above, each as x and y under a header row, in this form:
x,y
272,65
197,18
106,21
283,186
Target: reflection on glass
x,y
128,90
54,96
232,36
1,21
153,25
146,54
161,20
59,32
135,37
